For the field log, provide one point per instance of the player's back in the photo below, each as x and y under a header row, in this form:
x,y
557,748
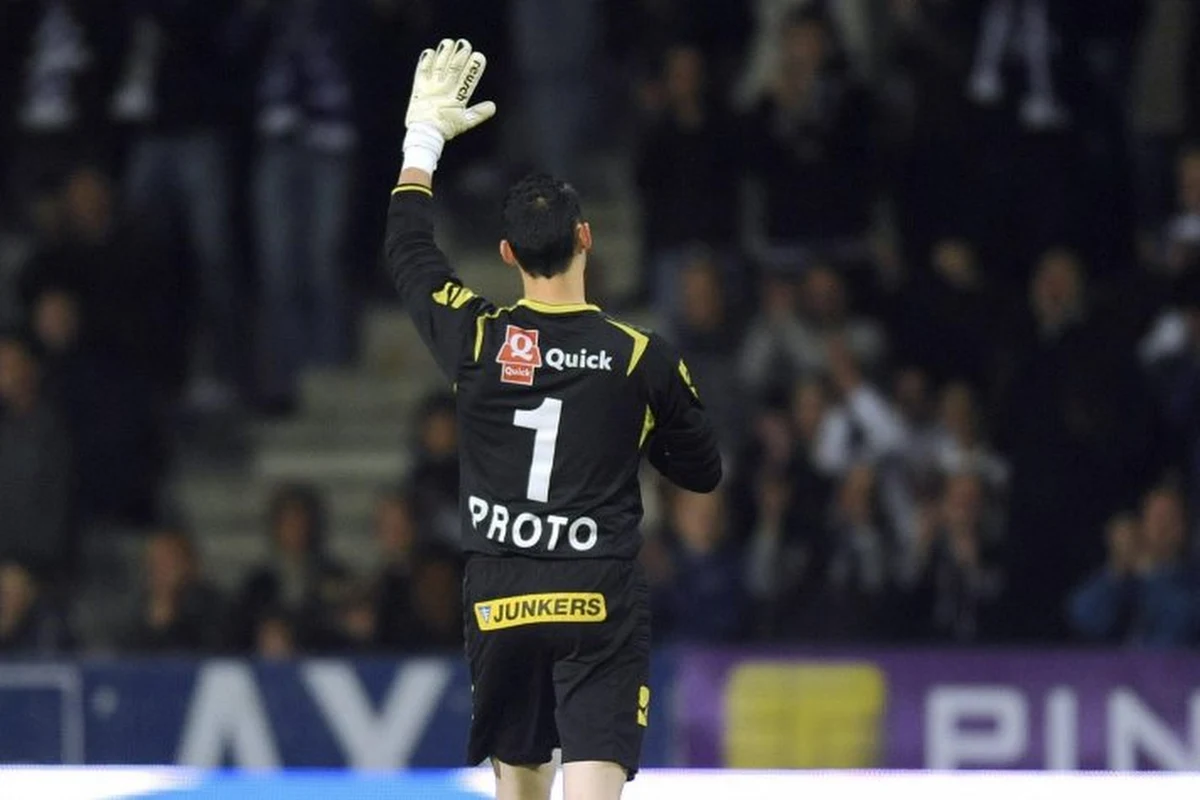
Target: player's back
x,y
555,405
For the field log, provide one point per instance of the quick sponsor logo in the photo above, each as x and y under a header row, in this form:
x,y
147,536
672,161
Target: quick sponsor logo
x,y
519,356
536,609
558,359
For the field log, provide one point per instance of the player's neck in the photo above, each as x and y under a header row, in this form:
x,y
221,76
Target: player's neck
x,y
561,290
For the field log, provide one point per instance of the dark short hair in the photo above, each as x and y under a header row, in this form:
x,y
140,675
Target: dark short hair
x,y
540,215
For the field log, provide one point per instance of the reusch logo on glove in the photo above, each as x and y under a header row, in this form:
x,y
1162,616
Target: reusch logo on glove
x,y
464,90
519,357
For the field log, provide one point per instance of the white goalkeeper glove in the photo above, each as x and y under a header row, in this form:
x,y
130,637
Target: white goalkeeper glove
x,y
437,111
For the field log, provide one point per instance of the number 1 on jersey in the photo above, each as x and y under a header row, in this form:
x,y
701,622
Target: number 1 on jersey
x,y
543,420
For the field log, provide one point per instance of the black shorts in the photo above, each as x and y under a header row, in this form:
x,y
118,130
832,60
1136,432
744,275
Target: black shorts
x,y
560,657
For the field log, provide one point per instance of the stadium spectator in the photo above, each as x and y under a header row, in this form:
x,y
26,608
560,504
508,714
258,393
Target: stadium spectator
x,y
415,598
301,580
36,469
433,481
65,54
1075,424
697,591
792,334
396,539
555,46
1147,593
807,470
178,610
780,572
960,445
947,317
912,397
29,626
855,572
862,424
175,94
792,496
1099,609
951,581
686,172
808,146
852,26
706,331
102,317
437,599
639,33
307,143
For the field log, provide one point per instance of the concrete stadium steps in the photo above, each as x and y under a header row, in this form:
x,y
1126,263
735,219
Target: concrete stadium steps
x,y
391,346
378,466
357,394
315,433
227,502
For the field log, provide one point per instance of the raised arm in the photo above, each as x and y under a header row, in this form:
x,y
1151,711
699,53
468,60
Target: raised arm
x,y
443,310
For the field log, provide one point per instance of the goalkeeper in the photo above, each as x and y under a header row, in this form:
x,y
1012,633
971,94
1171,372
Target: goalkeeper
x,y
556,402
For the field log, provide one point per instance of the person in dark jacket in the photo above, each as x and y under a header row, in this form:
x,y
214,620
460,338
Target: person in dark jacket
x,y
178,612
301,581
1148,593
308,138
29,625
36,468
177,95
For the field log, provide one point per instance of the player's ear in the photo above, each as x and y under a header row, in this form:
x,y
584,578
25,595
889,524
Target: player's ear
x,y
583,237
507,255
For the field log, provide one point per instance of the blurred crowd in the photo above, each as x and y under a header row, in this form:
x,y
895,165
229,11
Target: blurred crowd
x,y
934,266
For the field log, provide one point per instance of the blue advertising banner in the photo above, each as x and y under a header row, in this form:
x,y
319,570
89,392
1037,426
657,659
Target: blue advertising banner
x,y
365,714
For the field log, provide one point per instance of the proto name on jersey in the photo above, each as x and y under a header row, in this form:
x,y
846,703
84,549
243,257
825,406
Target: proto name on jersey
x,y
528,530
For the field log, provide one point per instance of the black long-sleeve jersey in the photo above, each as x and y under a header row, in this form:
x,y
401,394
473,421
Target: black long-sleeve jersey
x,y
556,406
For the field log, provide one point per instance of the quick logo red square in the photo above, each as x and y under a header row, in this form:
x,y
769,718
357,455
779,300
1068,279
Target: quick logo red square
x,y
519,357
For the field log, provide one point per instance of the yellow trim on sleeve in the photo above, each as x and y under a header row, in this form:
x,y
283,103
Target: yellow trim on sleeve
x,y
687,379
647,427
479,321
640,342
453,295
412,187
556,308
